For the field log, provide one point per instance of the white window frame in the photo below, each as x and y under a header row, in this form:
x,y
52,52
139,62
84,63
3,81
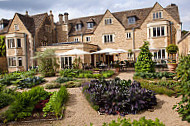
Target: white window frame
x,y
20,59
90,25
76,39
108,21
16,27
157,15
78,27
1,26
128,35
88,39
10,42
108,38
11,64
64,62
131,20
20,43
157,57
158,27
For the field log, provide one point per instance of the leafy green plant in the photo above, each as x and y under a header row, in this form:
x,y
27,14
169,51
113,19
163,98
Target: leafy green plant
x,y
2,46
63,79
118,96
5,99
47,62
52,85
24,104
172,49
183,73
155,75
144,61
141,122
56,102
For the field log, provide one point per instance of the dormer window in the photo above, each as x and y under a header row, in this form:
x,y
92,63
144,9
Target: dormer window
x,y
131,20
108,21
90,25
158,15
16,27
1,26
78,27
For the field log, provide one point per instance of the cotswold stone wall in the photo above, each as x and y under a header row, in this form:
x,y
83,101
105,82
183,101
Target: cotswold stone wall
x,y
3,64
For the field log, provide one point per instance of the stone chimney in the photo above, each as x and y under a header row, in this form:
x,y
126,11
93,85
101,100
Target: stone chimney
x,y
51,16
60,18
66,17
26,13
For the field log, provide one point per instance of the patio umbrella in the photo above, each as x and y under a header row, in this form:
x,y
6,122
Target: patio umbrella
x,y
107,50
74,52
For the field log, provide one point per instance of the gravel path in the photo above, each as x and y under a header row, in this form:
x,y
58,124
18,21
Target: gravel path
x,y
80,113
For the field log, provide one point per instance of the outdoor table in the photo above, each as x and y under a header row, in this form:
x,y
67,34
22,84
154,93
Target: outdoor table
x,y
102,66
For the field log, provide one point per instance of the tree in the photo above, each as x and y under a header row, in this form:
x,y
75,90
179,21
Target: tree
x,y
2,46
172,49
144,61
47,63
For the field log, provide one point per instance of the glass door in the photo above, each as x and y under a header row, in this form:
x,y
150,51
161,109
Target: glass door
x,y
66,62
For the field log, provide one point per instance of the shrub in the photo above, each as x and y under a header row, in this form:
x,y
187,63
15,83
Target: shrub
x,y
5,99
63,79
52,85
72,84
47,63
144,61
155,75
69,72
56,102
119,96
183,72
107,74
2,46
127,122
25,103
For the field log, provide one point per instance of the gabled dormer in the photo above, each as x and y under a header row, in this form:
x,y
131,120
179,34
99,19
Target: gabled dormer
x,y
90,23
132,20
78,25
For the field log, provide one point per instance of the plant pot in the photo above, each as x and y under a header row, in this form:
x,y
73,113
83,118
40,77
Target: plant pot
x,y
172,66
117,69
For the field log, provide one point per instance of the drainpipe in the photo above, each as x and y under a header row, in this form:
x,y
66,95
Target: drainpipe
x,y
133,29
25,39
34,50
81,37
171,32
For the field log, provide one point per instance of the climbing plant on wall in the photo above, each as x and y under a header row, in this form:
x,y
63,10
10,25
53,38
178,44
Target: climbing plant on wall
x,y
2,46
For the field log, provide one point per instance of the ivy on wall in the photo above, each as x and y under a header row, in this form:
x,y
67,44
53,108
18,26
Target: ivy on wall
x,y
2,46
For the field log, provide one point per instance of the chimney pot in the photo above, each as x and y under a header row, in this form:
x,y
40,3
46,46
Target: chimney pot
x,y
26,13
61,18
66,17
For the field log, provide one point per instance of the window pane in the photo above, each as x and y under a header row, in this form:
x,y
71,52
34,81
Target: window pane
x,y
158,31
155,55
154,32
160,14
70,61
62,62
163,53
20,61
111,38
105,40
18,43
157,15
154,16
159,54
162,31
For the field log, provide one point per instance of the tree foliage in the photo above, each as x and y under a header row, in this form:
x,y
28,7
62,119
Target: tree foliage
x,y
172,49
47,62
183,73
144,61
2,46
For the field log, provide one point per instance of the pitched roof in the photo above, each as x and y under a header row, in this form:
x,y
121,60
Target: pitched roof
x,y
183,37
5,30
122,17
32,23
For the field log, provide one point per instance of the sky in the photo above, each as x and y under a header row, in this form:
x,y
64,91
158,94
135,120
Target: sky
x,y
81,8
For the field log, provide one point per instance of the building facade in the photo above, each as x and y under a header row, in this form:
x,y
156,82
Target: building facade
x,y
119,30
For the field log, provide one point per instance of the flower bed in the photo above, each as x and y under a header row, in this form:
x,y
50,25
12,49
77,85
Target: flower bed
x,y
118,96
29,105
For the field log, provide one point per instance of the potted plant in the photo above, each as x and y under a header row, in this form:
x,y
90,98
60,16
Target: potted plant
x,y
117,67
172,49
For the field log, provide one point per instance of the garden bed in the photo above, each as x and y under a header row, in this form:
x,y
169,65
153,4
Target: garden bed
x,y
36,104
118,96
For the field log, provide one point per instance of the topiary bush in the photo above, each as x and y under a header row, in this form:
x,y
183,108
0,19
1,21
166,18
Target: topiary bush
x,y
144,61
